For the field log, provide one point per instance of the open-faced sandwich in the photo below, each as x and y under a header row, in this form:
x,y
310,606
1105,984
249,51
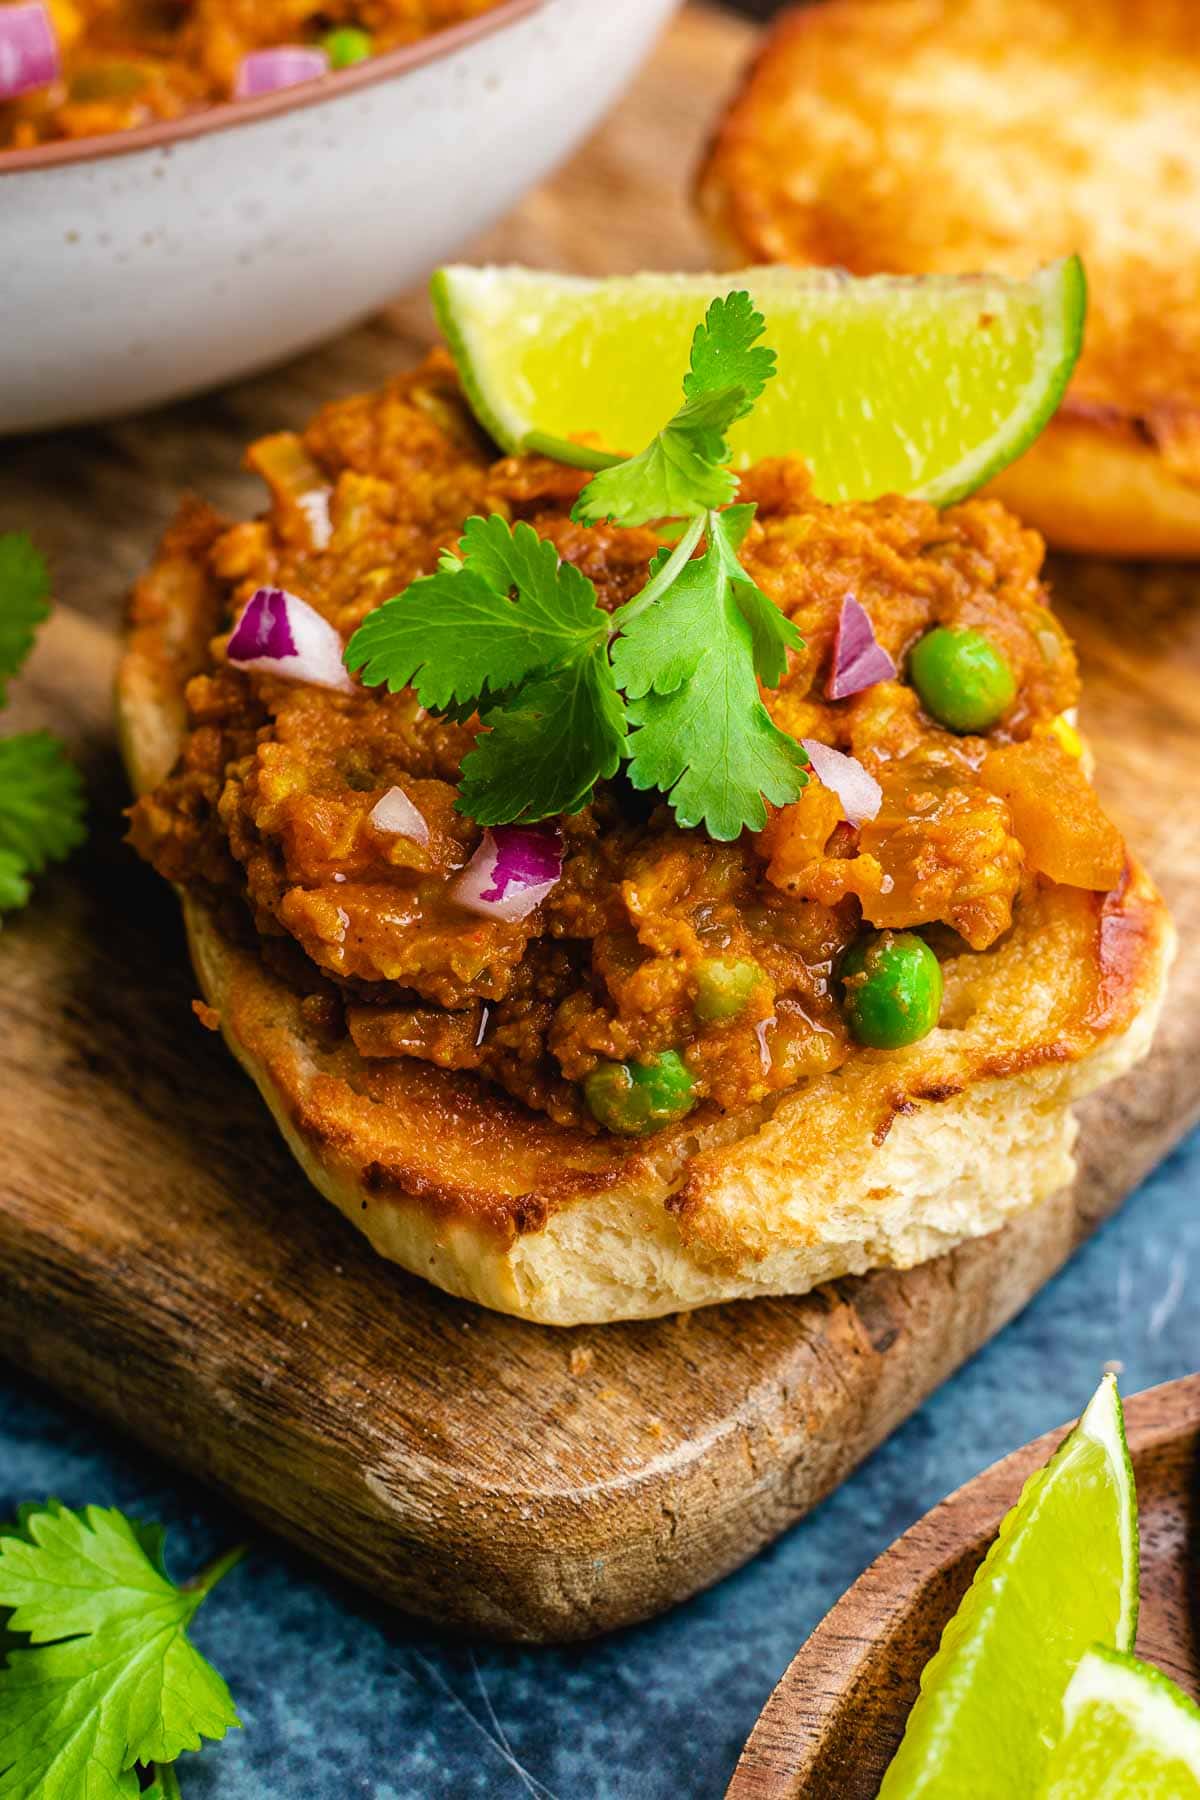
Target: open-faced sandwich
x,y
633,887
949,135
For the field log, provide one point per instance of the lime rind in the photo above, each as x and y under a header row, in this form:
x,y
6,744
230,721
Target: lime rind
x,y
886,383
1147,1696
1065,287
1103,1420
444,285
1123,1721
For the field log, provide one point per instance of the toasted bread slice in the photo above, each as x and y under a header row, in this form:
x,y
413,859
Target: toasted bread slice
x,y
950,135
894,1157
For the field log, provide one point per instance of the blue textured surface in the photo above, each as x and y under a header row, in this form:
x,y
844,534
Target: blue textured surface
x,y
340,1700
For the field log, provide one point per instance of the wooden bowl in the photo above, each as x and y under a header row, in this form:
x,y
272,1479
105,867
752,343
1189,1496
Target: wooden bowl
x,y
832,1725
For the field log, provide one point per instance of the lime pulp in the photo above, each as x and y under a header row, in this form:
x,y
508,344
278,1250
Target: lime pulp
x,y
1128,1734
922,385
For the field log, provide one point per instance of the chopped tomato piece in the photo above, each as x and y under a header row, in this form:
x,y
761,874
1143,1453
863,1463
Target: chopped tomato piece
x,y
796,835
1056,814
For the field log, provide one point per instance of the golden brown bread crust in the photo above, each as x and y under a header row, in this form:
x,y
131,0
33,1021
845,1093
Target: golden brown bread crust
x,y
890,1159
943,135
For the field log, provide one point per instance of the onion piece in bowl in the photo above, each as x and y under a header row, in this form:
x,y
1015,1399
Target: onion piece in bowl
x,y
859,659
396,816
280,634
513,870
29,55
287,65
860,794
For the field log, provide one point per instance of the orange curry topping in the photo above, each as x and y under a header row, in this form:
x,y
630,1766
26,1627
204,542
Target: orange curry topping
x,y
268,811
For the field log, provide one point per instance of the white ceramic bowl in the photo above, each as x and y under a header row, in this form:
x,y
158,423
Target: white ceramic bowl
x,y
143,265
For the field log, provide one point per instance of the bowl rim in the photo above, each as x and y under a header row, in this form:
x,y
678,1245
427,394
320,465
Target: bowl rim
x,y
227,114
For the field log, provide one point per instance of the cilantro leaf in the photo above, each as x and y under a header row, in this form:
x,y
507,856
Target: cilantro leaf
x,y
41,802
444,636
24,602
715,751
536,667
700,731
14,887
41,798
726,352
659,648
457,637
676,476
664,646
681,472
547,747
111,1679
772,632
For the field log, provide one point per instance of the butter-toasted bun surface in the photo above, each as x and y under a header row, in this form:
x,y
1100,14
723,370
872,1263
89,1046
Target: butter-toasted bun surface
x,y
888,1160
884,1163
916,136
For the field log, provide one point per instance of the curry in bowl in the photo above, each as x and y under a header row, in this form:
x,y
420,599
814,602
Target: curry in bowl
x,y
84,68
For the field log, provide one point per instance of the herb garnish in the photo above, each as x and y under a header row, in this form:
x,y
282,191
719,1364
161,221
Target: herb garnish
x,y
537,672
41,797
110,1679
668,682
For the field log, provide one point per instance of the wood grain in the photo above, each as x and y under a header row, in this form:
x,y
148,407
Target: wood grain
x,y
833,1724
162,1262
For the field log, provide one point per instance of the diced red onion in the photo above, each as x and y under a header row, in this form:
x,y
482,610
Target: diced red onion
x,y
859,660
396,815
315,507
860,794
280,634
287,65
28,50
512,871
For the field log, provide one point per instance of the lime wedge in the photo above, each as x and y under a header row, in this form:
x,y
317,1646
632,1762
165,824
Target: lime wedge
x,y
925,385
1128,1734
1061,1576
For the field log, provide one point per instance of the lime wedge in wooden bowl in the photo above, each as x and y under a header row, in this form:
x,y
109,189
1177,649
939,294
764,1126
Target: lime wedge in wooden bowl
x,y
1061,1576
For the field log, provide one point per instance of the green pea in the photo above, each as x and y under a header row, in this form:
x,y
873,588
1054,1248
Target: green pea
x,y
892,988
962,679
636,1097
724,987
346,46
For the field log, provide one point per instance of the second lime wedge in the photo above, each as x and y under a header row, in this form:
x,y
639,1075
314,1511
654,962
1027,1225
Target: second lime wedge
x,y
924,385
1128,1734
1061,1576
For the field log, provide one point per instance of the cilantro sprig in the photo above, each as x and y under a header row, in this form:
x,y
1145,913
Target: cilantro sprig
x,y
688,665
108,1679
537,671
41,796
683,471
668,684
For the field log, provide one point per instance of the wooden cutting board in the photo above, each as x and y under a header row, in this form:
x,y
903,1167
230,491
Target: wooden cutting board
x,y
162,1261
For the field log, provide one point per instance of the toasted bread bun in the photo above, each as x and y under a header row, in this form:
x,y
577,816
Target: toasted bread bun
x,y
949,135
894,1157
